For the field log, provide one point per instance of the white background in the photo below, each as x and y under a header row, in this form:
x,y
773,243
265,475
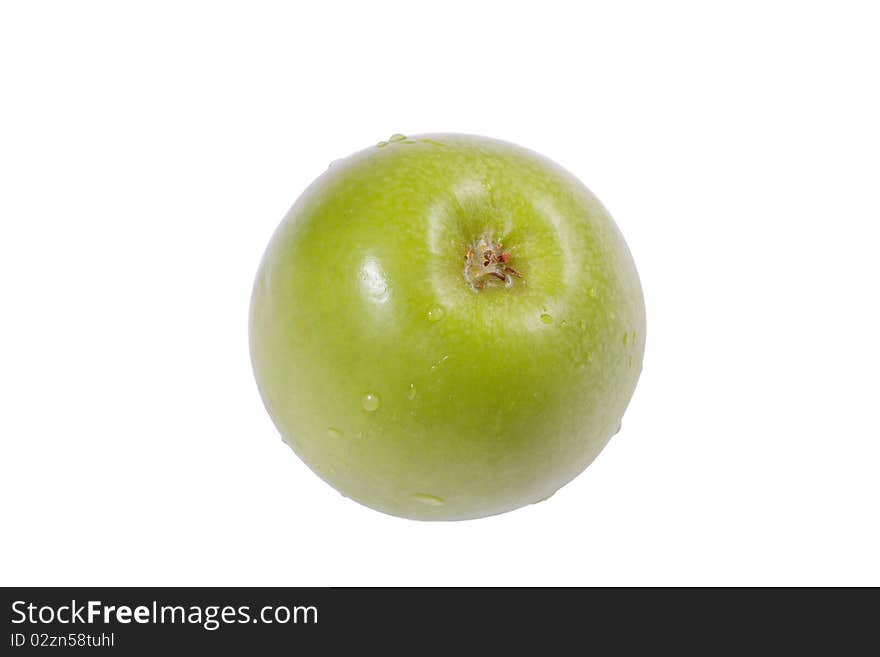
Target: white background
x,y
148,150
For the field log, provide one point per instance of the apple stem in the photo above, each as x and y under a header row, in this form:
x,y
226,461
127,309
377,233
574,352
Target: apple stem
x,y
486,264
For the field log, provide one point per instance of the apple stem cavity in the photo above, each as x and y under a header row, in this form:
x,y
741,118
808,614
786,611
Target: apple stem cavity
x,y
486,264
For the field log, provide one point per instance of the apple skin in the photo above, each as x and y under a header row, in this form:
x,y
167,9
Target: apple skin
x,y
400,381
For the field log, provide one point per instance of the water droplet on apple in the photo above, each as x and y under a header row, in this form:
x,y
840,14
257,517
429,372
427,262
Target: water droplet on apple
x,y
583,325
630,361
546,319
435,314
592,293
563,323
370,402
381,144
411,393
625,338
430,500
442,360
397,137
333,432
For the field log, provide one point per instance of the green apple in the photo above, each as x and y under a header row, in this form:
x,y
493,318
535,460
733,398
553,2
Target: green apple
x,y
447,327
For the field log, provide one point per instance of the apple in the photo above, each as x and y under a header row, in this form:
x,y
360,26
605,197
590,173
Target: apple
x,y
446,327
